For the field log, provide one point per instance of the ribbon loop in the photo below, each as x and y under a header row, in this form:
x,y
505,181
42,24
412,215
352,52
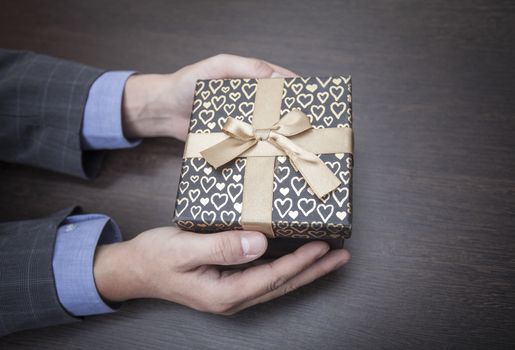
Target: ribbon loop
x,y
242,136
293,123
238,129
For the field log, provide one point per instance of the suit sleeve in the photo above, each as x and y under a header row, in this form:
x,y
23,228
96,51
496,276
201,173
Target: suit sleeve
x,y
28,296
42,102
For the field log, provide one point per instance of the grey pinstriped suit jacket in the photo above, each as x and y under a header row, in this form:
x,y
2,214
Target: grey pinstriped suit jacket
x,y
42,102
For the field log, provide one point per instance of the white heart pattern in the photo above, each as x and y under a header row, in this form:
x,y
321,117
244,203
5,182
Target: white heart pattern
x,y
210,200
283,206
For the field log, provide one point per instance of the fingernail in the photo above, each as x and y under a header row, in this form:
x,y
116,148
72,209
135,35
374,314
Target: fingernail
x,y
253,243
278,75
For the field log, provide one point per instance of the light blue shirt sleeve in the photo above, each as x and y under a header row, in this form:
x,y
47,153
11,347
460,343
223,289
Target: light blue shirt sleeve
x,y
79,235
77,239
102,123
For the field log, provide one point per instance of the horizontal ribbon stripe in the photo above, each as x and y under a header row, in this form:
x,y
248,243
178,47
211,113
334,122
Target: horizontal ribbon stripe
x,y
319,141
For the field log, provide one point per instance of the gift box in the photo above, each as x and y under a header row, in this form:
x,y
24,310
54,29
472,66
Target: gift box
x,y
273,155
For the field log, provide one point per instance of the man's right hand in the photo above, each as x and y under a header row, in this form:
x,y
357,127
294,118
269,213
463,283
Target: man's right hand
x,y
184,267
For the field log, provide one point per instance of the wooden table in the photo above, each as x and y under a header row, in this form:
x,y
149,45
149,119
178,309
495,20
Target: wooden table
x,y
433,245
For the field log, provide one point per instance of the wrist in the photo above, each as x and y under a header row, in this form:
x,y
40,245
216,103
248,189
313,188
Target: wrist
x,y
145,112
117,277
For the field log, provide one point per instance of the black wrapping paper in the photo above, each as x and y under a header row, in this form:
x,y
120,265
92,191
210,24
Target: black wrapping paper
x,y
210,200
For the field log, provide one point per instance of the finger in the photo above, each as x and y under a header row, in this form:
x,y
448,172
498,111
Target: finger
x,y
329,262
258,280
225,66
223,248
281,71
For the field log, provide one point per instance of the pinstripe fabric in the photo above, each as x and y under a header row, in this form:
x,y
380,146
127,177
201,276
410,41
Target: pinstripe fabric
x,y
42,103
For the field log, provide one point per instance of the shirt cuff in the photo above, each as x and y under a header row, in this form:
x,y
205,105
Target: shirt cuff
x,y
102,124
75,246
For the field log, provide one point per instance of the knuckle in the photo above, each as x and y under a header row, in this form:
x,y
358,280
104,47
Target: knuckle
x,y
221,249
180,258
276,283
225,249
288,288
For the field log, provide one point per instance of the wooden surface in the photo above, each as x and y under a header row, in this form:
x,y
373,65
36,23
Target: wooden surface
x,y
433,243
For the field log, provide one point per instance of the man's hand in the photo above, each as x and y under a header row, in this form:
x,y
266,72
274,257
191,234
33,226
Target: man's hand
x,y
184,267
160,105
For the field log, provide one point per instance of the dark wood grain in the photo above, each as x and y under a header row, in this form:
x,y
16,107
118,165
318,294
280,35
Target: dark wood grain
x,y
434,184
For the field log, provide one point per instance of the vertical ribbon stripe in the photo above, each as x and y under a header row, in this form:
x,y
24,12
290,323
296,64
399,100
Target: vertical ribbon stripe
x,y
257,206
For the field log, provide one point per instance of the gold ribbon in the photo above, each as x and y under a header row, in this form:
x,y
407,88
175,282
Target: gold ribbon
x,y
267,137
318,141
243,136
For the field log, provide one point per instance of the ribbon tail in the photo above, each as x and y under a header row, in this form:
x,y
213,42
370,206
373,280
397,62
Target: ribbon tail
x,y
226,150
318,176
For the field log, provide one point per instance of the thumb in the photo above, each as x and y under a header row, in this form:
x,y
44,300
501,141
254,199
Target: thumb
x,y
226,248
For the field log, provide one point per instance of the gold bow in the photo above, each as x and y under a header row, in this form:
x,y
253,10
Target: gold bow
x,y
243,136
